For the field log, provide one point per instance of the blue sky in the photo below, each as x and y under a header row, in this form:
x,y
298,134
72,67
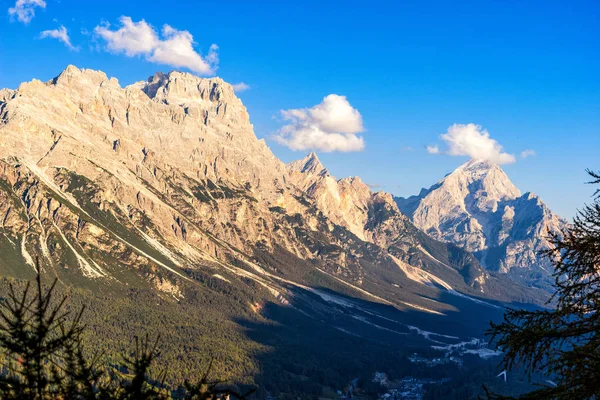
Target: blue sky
x,y
525,71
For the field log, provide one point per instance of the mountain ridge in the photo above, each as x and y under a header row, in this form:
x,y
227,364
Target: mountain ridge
x,y
185,153
478,208
163,188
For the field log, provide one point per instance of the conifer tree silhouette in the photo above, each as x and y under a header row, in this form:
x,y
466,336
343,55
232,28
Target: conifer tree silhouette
x,y
43,356
563,342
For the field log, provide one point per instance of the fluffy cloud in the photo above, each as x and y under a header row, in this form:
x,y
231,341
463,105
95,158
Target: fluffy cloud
x,y
24,10
527,153
329,126
59,34
473,141
240,87
175,48
133,38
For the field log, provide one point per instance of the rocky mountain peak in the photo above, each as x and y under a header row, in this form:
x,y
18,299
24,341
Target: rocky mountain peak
x,y
183,88
357,184
73,76
483,176
152,84
477,165
195,124
532,196
197,96
309,165
6,94
478,208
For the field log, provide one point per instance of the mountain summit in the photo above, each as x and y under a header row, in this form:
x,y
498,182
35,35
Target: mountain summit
x,y
158,201
309,164
169,172
478,208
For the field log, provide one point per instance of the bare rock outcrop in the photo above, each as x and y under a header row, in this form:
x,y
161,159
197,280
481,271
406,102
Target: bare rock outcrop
x,y
478,208
166,177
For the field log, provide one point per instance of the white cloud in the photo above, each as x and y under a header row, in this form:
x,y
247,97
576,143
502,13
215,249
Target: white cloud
x,y
133,38
24,10
527,153
240,87
433,149
473,141
175,48
59,34
329,126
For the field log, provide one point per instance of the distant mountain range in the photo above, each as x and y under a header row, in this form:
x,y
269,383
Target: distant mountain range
x,y
478,208
162,188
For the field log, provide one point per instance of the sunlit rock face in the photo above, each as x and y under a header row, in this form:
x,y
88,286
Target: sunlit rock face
x,y
173,159
158,180
478,208
349,202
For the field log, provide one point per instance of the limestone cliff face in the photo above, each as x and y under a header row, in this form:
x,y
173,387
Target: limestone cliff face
x,y
166,177
478,208
349,202
345,202
177,151
180,119
375,218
